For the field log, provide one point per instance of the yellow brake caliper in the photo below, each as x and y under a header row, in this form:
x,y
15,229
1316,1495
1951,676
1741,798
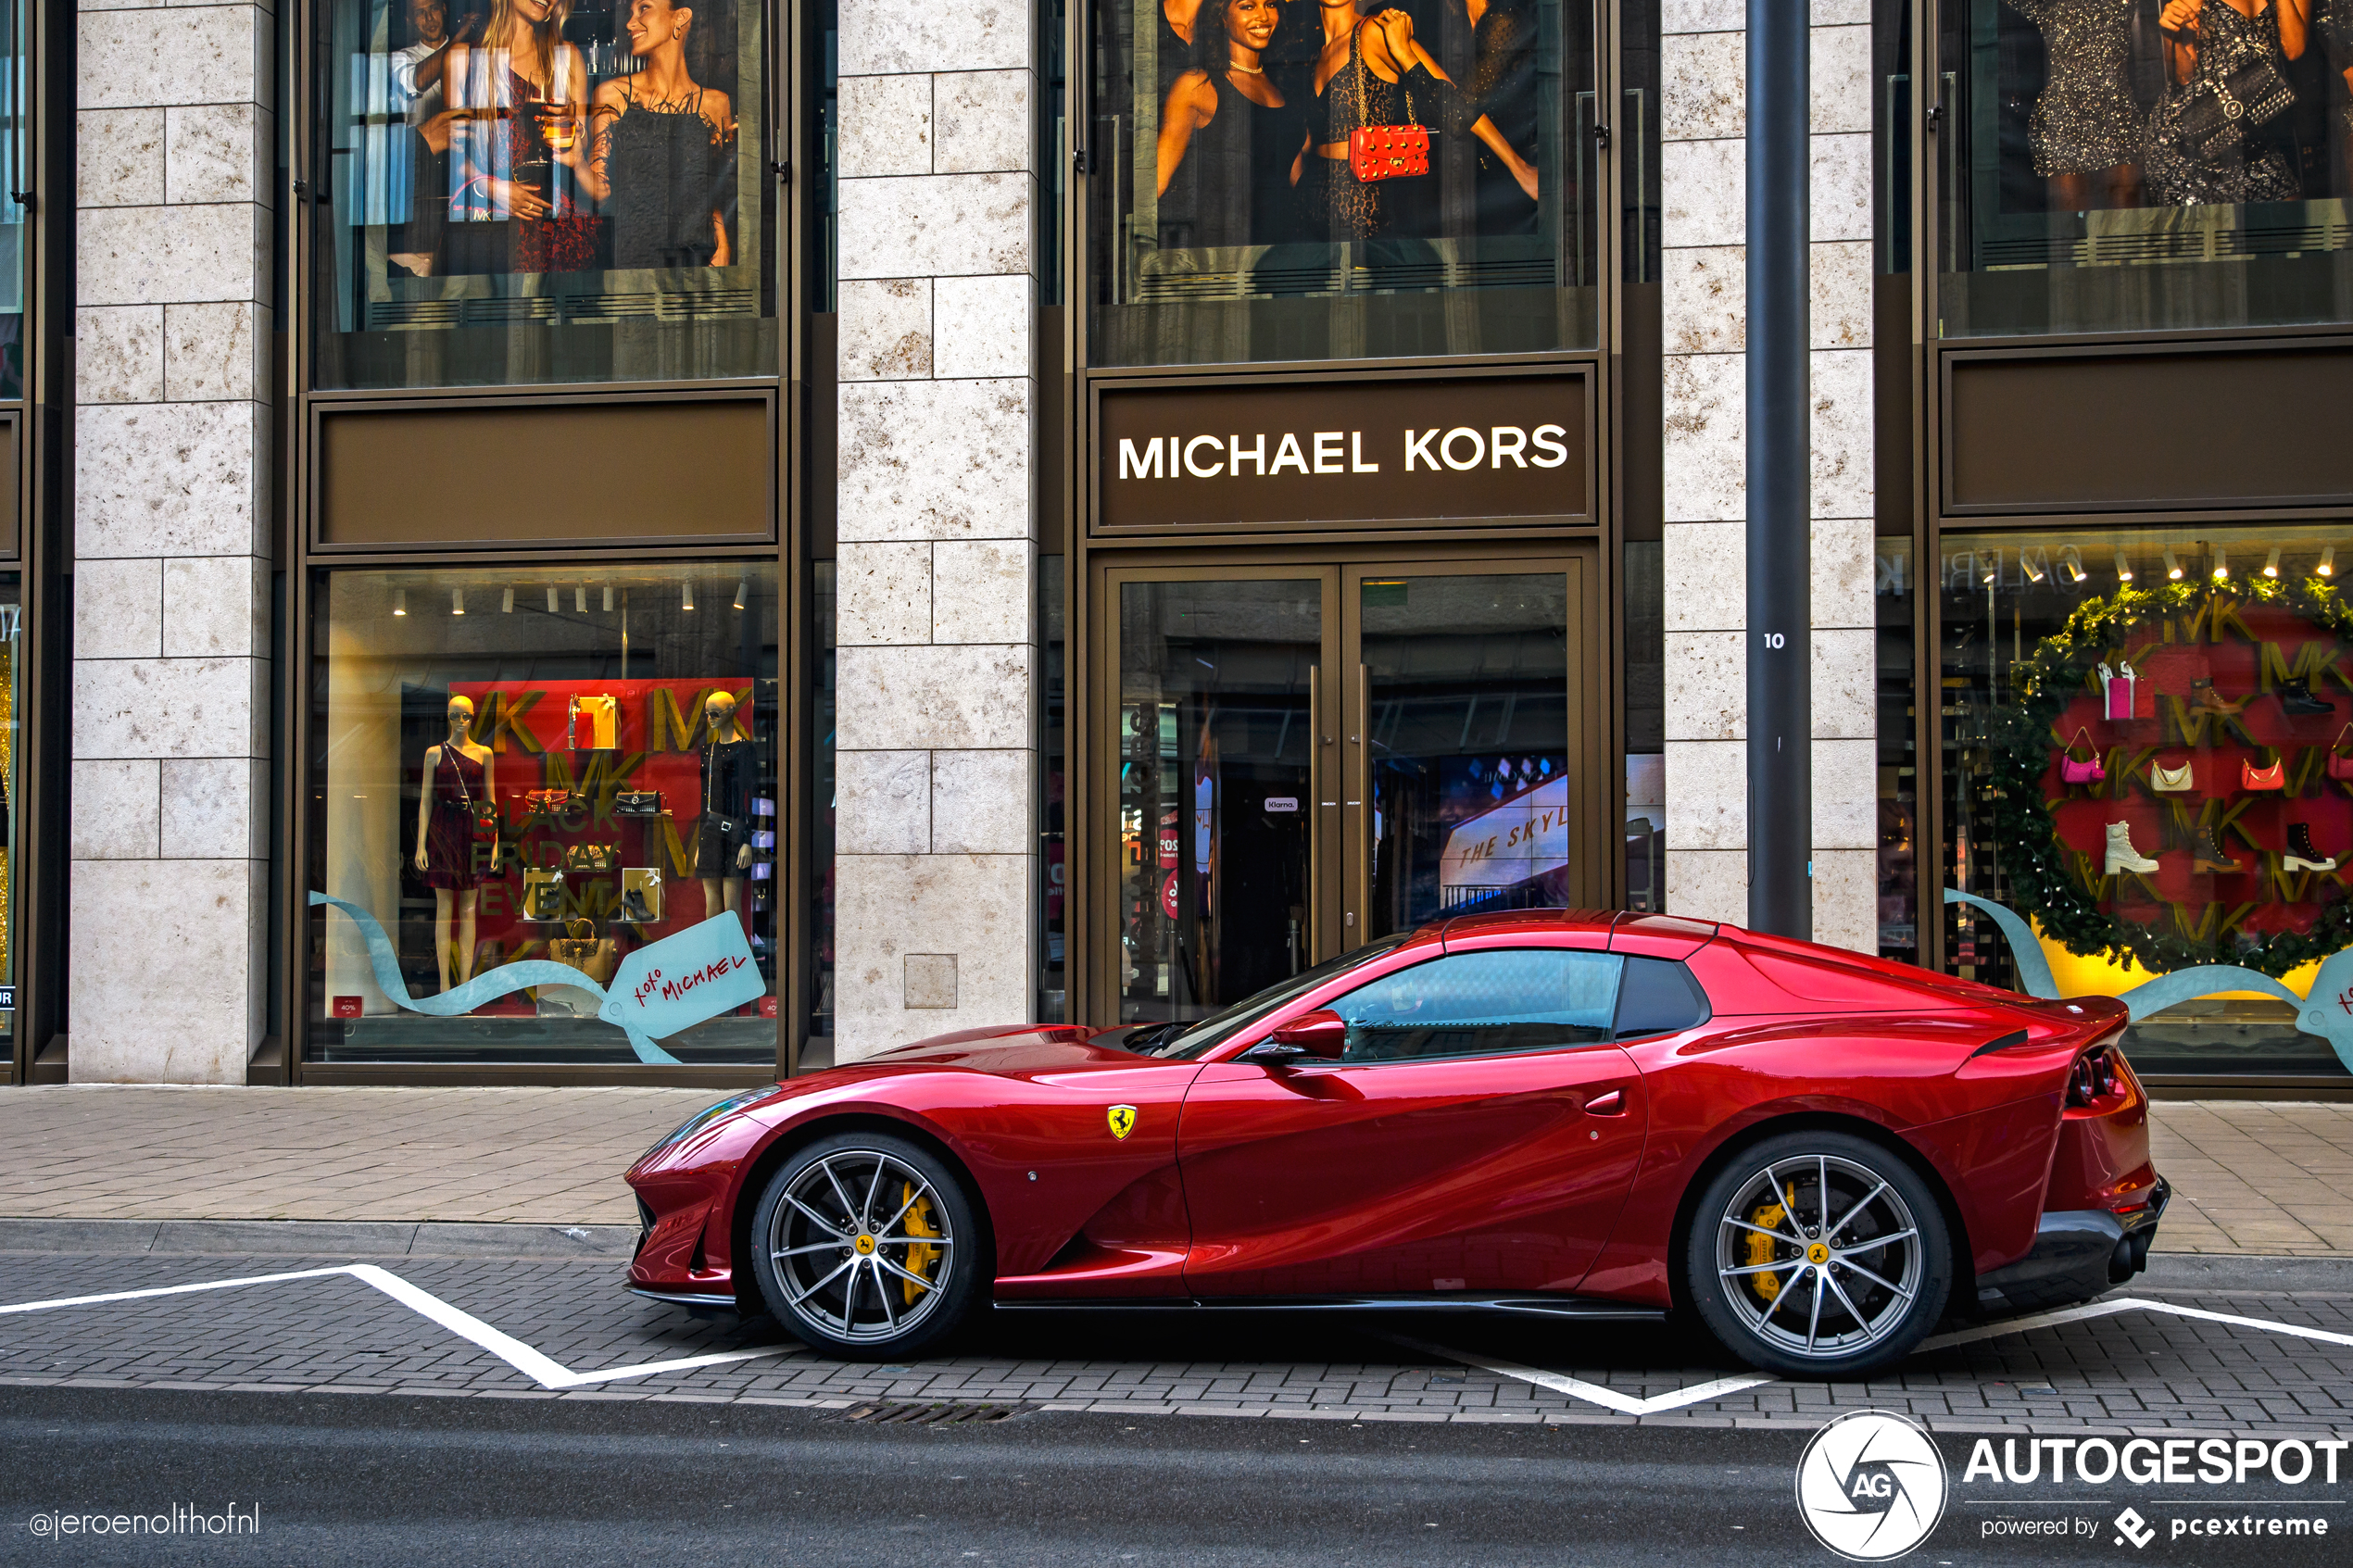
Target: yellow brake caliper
x,y
1760,1247
920,1258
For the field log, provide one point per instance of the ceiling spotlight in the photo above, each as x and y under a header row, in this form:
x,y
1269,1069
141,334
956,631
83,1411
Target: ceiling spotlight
x,y
555,604
2123,568
2328,560
2030,562
580,600
2072,560
457,601
2221,565
743,590
687,595
2272,564
1989,568
2172,566
400,601
608,598
507,602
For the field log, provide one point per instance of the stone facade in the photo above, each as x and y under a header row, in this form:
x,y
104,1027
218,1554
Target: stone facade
x,y
170,543
938,658
1704,167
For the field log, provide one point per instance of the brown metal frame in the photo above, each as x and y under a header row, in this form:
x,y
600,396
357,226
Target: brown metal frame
x,y
40,460
1931,516
300,555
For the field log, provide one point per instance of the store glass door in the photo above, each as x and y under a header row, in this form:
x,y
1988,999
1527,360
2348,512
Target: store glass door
x,y
1304,758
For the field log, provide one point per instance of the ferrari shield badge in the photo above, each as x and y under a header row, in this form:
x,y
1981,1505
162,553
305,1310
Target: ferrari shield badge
x,y
1123,1119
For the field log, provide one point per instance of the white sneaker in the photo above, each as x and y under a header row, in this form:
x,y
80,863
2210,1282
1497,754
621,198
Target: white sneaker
x,y
2122,856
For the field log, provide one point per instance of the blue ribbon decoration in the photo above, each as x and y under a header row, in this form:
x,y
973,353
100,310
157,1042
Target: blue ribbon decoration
x,y
485,987
2312,1015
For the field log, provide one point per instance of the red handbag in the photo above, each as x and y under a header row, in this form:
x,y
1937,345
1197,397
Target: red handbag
x,y
1385,152
2089,770
2340,765
2272,777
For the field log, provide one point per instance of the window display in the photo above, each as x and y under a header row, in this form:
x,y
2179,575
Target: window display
x,y
1284,181
2148,762
11,836
543,805
523,191
16,183
2123,165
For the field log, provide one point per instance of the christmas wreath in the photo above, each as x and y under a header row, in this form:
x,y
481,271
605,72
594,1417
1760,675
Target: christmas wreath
x,y
2052,687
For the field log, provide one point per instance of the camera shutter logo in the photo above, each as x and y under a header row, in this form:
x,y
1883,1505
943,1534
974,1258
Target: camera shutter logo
x,y
1872,1486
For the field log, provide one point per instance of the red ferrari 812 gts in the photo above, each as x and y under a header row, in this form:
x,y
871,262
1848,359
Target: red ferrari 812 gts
x,y
1589,1114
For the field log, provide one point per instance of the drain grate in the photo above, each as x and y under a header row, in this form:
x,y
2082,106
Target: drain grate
x,y
915,1413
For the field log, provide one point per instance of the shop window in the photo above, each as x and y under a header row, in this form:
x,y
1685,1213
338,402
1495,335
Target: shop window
x,y
1272,181
531,190
1896,601
16,98
822,710
2148,165
12,793
544,805
2148,743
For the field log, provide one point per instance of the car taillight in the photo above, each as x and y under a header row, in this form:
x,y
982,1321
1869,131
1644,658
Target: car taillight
x,y
2092,1078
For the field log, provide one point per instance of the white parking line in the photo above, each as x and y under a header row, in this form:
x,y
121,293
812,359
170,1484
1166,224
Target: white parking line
x,y
542,1370
1700,1393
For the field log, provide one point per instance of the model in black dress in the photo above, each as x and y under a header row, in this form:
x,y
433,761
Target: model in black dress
x,y
1235,131
660,151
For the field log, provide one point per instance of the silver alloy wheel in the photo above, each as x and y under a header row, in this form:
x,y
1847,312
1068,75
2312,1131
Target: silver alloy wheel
x,y
1820,1256
860,1245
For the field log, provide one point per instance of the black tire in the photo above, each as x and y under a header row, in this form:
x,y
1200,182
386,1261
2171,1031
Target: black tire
x,y
1755,1261
928,1257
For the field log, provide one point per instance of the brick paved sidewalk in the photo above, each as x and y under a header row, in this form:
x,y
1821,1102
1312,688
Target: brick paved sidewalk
x,y
2248,1177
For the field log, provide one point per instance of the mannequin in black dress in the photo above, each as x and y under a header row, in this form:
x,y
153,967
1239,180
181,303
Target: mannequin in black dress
x,y
1245,137
723,837
659,150
457,793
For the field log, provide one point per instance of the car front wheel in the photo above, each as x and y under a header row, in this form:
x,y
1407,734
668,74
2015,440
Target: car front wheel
x,y
864,1245
1819,1254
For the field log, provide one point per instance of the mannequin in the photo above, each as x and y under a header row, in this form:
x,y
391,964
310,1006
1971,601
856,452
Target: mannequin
x,y
458,789
722,854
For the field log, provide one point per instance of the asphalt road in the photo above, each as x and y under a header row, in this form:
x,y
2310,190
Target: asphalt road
x,y
456,1482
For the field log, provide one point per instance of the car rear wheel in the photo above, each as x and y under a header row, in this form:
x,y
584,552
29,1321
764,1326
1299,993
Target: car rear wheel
x,y
865,1247
1819,1254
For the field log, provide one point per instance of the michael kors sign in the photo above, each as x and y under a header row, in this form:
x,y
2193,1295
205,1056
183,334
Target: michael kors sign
x,y
1342,454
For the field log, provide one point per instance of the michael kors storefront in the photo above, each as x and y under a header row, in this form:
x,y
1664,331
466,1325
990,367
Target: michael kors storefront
x,y
1344,504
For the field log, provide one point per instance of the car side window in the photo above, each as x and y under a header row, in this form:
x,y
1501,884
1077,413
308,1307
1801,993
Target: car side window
x,y
1659,996
1484,1004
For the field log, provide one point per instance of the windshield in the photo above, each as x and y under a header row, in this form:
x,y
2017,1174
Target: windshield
x,y
1178,1041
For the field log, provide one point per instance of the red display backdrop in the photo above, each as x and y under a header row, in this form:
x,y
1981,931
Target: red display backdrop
x,y
659,735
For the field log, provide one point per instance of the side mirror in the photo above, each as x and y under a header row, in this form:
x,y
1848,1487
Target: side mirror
x,y
1319,1034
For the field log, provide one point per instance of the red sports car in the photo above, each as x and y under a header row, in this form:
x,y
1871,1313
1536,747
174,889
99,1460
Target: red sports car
x,y
1584,1113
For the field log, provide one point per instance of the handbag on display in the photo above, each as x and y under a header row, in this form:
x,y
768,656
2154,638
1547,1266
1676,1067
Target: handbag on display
x,y
2272,777
2090,770
1385,152
547,802
2223,110
543,893
2340,765
2171,781
590,857
2117,688
594,724
638,803
583,949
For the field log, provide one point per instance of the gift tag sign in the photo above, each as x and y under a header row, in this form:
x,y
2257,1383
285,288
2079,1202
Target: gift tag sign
x,y
681,980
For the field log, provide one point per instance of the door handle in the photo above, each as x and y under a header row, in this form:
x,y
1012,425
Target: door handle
x,y
1610,1104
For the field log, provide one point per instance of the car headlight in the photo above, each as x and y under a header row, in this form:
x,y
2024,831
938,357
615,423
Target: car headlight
x,y
709,1114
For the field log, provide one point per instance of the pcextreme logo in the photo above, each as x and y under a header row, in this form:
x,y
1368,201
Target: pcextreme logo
x,y
1872,1486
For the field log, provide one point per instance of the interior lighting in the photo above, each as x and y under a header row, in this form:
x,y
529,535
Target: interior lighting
x,y
580,600
2272,564
507,602
457,601
687,595
2072,560
400,601
1991,568
2172,566
2328,560
2123,568
608,598
2221,565
743,590
2030,561
555,604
